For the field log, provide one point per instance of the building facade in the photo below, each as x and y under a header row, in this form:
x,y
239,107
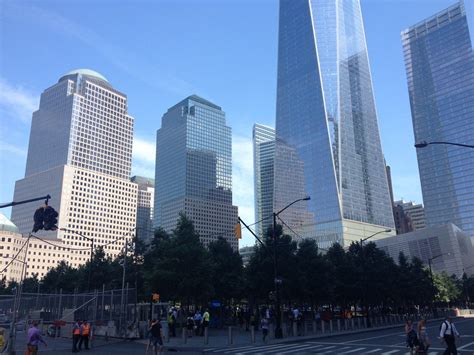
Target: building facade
x,y
439,61
145,200
39,257
449,248
327,138
194,170
263,156
80,152
409,216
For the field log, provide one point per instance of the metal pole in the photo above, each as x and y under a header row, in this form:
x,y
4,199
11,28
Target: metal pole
x,y
123,284
103,300
278,330
90,266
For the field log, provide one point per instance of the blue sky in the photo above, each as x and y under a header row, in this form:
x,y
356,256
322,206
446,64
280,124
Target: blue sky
x,y
159,52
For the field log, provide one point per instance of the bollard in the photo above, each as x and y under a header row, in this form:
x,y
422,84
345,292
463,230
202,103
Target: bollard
x,y
352,324
338,325
365,322
230,340
295,329
323,326
185,336
305,327
167,335
315,330
358,323
330,326
206,335
252,334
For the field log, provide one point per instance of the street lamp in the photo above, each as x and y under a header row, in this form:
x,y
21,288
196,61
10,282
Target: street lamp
x,y
423,144
373,235
92,252
278,330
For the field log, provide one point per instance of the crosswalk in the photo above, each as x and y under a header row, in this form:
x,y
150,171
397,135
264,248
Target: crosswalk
x,y
312,347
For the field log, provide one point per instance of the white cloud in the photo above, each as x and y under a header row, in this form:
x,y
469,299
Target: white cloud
x,y
143,157
16,102
243,184
12,149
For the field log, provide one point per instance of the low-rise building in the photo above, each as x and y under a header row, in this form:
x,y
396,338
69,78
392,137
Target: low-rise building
x,y
447,247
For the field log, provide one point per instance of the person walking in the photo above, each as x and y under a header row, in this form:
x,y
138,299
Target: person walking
x,y
197,322
171,323
34,338
423,339
206,317
448,332
156,338
264,324
76,336
411,338
85,334
190,325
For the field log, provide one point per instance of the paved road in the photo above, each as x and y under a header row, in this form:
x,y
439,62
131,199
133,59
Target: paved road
x,y
384,342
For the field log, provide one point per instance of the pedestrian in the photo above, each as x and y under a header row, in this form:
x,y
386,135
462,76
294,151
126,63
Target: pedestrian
x,y
411,337
206,317
2,340
156,338
171,323
197,322
34,338
448,332
423,339
85,334
190,325
264,323
76,336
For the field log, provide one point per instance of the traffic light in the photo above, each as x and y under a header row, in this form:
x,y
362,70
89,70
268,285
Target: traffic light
x,y
38,219
155,297
238,231
45,218
50,219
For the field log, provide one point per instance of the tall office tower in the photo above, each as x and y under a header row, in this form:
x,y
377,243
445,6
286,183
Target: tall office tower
x,y
327,137
439,62
145,200
263,155
80,152
414,212
194,170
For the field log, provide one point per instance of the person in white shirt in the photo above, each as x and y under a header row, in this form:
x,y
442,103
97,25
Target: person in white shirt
x,y
448,332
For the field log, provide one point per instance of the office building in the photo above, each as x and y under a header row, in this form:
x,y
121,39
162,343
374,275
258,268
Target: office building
x,y
194,170
40,256
246,253
327,138
447,247
409,213
263,155
439,63
80,152
145,200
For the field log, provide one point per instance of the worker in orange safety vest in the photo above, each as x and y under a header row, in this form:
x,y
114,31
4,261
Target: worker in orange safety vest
x,y
85,334
76,336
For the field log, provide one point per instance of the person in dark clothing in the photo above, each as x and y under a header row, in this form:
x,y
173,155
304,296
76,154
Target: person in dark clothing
x,y
156,338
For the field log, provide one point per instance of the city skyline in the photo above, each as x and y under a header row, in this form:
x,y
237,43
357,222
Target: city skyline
x,y
21,83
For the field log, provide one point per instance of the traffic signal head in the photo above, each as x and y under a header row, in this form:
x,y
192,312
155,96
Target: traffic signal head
x,y
38,219
238,231
50,219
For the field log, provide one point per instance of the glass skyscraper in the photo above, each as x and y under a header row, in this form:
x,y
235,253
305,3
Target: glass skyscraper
x,y
439,63
263,157
327,137
194,170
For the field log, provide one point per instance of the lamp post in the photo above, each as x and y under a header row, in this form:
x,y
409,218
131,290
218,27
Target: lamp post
x,y
388,230
278,330
92,252
423,144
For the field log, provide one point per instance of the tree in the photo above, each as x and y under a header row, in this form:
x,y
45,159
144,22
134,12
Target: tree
x,y
31,284
227,270
179,267
62,277
447,289
343,274
312,272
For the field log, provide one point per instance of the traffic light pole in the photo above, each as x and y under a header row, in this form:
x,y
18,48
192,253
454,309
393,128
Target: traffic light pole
x,y
14,203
